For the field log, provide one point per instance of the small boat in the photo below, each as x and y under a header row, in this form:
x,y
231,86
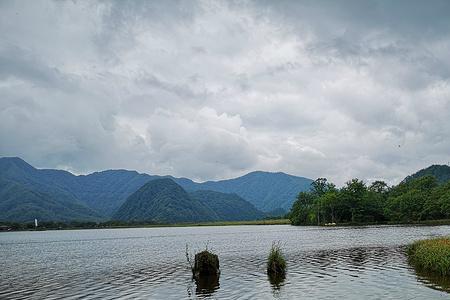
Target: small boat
x,y
330,224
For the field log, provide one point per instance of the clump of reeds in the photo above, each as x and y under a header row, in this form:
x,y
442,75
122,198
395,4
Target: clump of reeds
x,y
276,264
431,255
205,263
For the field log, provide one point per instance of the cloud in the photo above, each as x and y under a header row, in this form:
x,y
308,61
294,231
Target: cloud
x,y
213,89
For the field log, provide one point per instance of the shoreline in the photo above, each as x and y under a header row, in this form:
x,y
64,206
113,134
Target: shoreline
x,y
201,224
238,223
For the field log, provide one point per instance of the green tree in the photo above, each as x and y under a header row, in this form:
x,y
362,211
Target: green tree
x,y
301,212
352,194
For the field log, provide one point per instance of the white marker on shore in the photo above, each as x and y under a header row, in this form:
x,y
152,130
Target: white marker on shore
x,y
35,223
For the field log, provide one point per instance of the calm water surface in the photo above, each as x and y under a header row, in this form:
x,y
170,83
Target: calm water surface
x,y
323,263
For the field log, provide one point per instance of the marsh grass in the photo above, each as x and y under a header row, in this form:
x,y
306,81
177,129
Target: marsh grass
x,y
276,263
205,263
431,255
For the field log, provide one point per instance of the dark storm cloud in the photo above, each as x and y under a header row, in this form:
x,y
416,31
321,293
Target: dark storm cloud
x,y
214,89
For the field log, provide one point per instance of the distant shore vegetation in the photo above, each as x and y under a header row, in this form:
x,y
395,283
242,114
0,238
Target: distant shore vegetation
x,y
417,200
13,226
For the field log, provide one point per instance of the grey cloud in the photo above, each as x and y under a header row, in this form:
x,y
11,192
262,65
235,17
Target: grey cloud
x,y
213,89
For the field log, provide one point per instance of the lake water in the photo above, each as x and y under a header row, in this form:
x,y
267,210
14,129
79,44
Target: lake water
x,y
150,263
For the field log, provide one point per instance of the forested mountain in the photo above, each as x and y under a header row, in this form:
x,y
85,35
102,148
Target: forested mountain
x,y
26,195
440,172
227,207
20,204
163,201
266,191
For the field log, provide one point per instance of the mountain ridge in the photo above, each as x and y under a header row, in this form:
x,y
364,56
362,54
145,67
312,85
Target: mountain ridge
x,y
103,192
440,172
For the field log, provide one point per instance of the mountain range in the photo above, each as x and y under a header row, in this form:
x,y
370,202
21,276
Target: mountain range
x,y
27,193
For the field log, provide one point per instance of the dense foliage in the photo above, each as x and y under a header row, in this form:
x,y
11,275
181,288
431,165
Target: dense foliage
x,y
414,200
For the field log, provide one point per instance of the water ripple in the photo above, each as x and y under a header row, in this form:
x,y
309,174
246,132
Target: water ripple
x,y
349,263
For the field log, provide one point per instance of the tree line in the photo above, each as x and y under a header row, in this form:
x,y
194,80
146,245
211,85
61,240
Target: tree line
x,y
356,202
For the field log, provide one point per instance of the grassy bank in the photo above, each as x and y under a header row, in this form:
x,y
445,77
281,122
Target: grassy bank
x,y
431,255
111,225
218,223
232,223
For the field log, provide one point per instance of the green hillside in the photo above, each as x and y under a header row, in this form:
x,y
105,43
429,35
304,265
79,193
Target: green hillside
x,y
21,204
163,201
440,172
228,207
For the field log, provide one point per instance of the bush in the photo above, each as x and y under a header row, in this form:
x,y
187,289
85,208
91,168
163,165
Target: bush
x,y
276,264
431,255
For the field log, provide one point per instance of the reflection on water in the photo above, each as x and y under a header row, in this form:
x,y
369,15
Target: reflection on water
x,y
276,281
207,285
347,263
433,280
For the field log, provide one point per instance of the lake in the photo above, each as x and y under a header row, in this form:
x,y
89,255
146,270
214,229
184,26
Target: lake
x,y
150,263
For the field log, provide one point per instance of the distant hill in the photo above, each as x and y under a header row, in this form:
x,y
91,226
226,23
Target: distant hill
x,y
440,172
227,207
266,191
163,201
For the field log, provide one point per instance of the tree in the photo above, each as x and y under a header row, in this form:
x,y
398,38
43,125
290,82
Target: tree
x,y
301,209
352,194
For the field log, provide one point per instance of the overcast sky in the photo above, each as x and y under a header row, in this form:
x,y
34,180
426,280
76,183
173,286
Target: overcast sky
x,y
213,90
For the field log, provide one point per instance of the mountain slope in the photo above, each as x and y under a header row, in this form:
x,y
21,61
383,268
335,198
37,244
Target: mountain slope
x,y
163,201
266,191
441,172
106,191
25,194
227,207
19,203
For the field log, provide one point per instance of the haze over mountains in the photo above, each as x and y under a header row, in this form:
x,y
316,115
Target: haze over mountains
x,y
27,193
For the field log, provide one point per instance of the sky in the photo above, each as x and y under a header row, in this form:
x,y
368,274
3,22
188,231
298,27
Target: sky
x,y
215,89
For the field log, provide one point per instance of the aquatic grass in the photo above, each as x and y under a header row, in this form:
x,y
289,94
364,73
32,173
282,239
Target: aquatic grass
x,y
276,263
205,263
432,255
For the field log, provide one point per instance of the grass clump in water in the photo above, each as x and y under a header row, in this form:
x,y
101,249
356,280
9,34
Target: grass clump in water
x,y
431,255
276,264
205,263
